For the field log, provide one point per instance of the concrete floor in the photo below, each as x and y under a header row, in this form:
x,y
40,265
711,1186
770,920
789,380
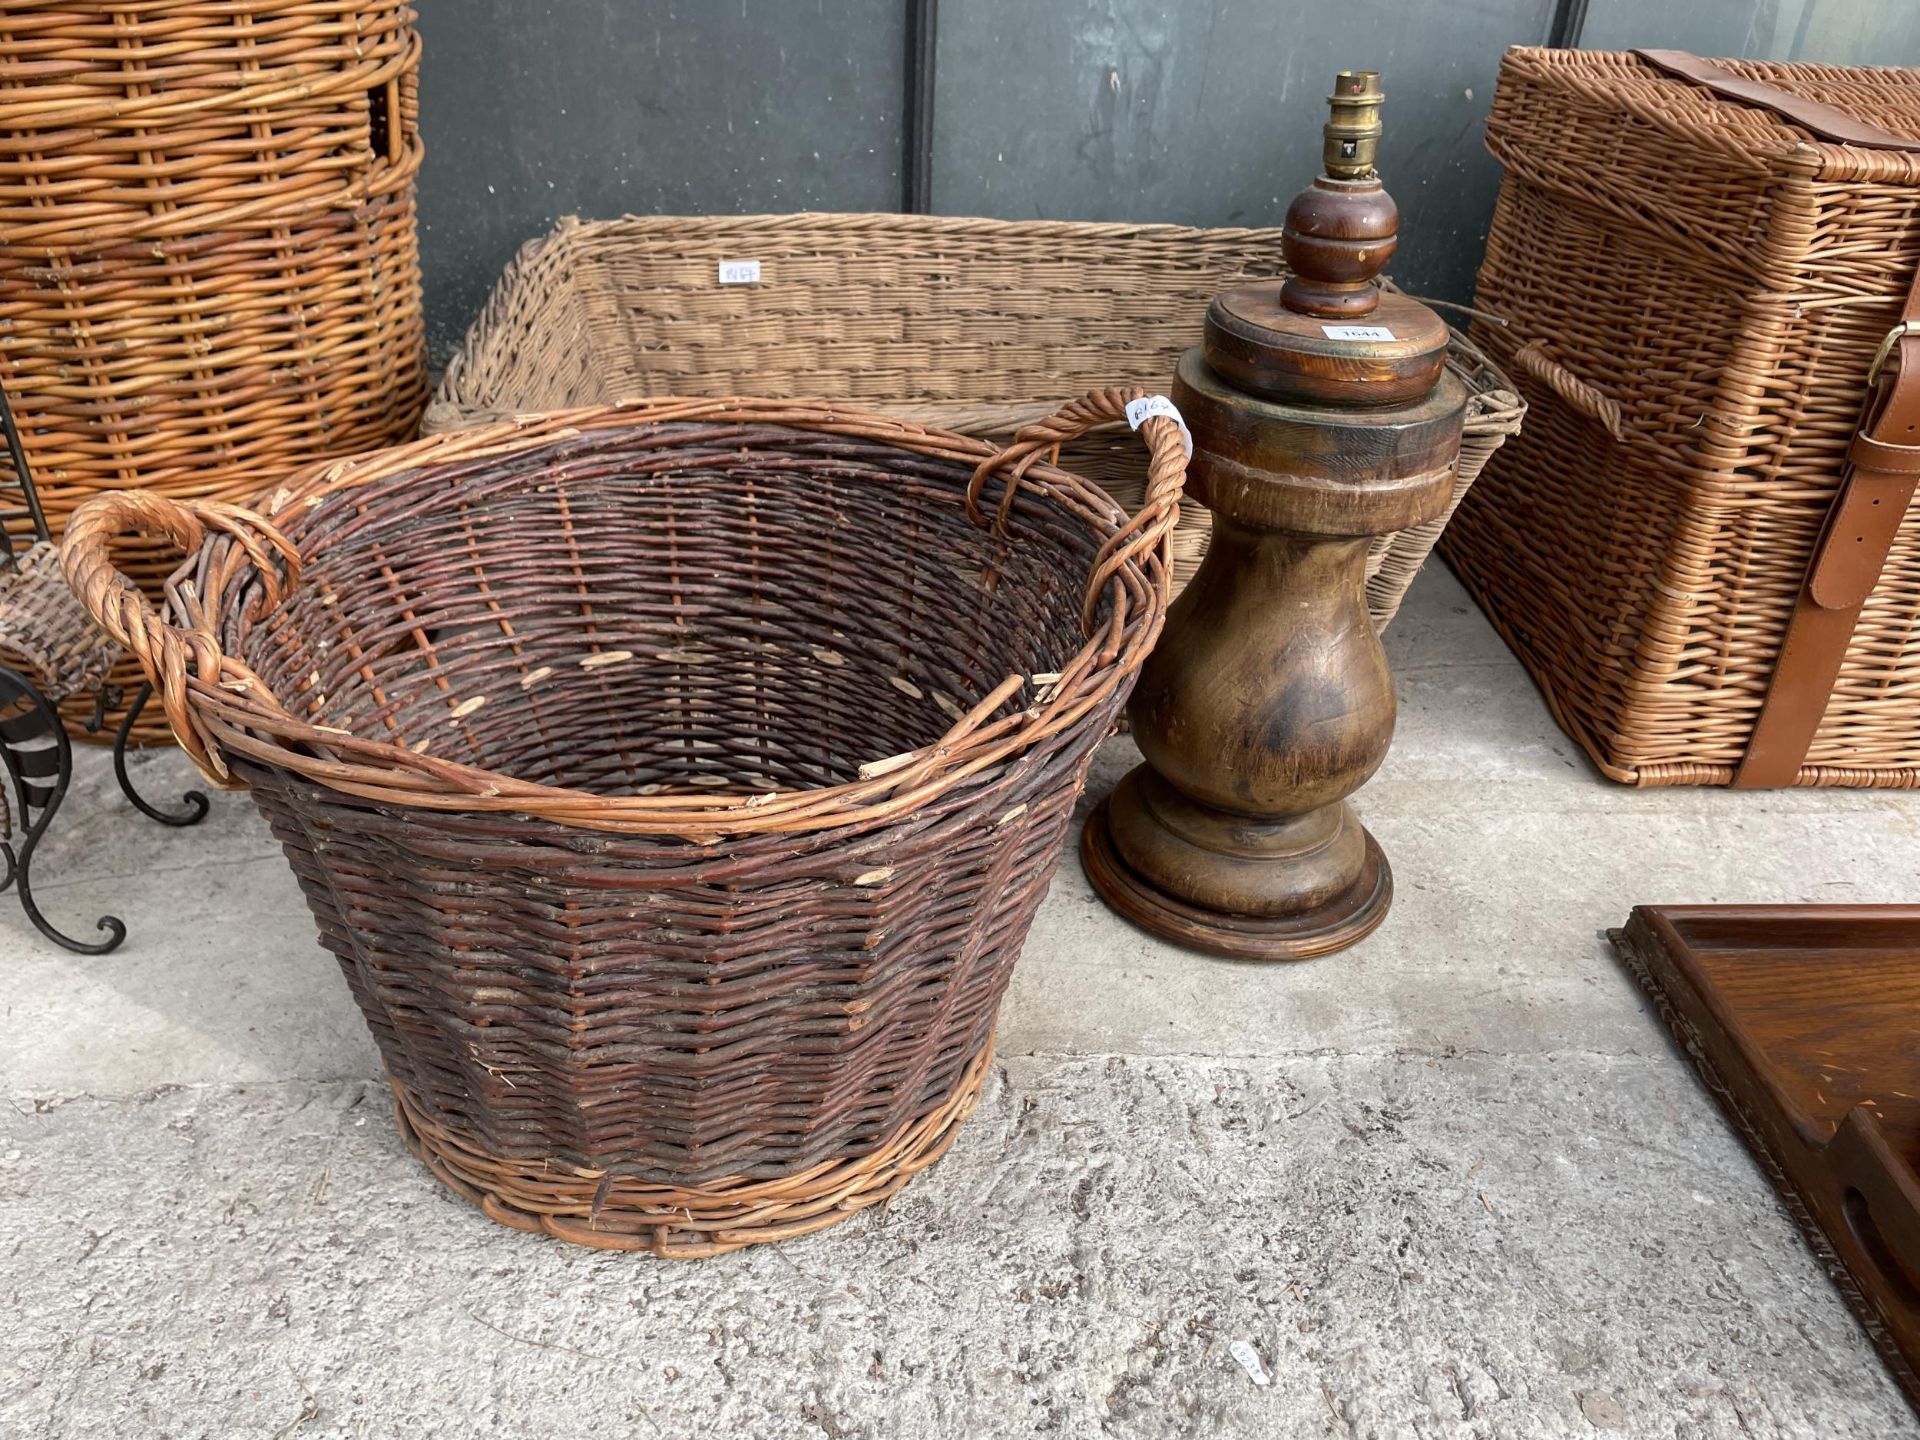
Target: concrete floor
x,y
1453,1183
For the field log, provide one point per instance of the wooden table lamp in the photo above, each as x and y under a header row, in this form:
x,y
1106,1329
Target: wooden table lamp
x,y
1322,415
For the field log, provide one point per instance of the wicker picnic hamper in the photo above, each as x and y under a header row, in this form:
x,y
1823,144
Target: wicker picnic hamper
x,y
208,265
1695,546
675,782
966,323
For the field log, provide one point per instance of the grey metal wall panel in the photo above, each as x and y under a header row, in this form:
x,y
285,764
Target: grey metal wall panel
x,y
1202,112
1829,32
1208,112
605,107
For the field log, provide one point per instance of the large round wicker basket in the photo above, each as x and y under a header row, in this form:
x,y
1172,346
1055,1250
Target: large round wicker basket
x,y
676,783
208,263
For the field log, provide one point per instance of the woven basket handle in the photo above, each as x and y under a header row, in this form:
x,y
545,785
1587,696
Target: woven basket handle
x,y
1600,408
1158,512
169,653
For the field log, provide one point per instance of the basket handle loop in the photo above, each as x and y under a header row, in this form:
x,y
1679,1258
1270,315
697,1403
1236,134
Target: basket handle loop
x,y
1588,400
166,651
1149,526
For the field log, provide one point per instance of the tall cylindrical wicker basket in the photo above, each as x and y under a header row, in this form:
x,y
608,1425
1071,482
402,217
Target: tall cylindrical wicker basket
x,y
208,262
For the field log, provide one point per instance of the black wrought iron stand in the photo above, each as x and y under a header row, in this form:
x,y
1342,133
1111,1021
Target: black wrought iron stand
x,y
34,747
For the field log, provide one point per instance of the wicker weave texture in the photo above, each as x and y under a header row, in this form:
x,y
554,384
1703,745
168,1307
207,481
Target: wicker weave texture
x,y
1495,412
208,262
1693,290
675,784
45,632
973,324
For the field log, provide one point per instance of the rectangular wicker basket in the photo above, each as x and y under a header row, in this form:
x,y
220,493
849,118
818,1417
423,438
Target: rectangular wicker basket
x,y
974,324
1694,288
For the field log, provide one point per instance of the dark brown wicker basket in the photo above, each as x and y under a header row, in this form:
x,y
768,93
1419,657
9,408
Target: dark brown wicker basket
x,y
675,783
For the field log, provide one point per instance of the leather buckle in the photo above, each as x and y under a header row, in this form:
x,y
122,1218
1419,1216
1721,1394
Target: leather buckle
x,y
1880,356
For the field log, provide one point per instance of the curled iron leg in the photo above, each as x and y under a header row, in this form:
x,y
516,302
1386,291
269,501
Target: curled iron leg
x,y
195,802
40,773
107,695
115,928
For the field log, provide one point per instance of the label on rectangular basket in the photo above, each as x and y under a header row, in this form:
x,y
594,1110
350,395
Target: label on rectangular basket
x,y
1357,332
739,272
1147,406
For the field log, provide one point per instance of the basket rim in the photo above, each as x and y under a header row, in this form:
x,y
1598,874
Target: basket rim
x,y
455,404
571,234
227,708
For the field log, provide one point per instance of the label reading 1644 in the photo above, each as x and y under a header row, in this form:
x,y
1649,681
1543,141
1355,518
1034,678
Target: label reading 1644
x,y
1357,332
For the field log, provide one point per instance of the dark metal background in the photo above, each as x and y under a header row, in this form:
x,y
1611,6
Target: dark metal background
x,y
1209,112
534,109
1204,112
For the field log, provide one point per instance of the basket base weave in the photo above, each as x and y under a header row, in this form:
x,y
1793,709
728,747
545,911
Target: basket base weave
x,y
589,1207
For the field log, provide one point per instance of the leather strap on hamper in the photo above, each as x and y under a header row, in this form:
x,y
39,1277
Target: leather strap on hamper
x,y
1826,121
1882,467
1883,464
1878,482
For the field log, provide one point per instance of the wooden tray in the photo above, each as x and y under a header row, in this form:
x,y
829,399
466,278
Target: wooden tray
x,y
1805,1021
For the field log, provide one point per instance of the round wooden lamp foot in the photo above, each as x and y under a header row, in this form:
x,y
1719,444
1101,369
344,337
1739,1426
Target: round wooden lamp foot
x,y
1331,926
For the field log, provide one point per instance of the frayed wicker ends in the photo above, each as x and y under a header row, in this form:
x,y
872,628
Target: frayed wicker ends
x,y
675,783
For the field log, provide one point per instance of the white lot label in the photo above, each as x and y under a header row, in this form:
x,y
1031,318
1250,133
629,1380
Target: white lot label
x,y
1147,406
1357,332
1249,1359
739,272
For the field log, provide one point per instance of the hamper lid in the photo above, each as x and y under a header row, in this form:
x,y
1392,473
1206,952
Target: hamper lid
x,y
1734,188
1828,122
1644,90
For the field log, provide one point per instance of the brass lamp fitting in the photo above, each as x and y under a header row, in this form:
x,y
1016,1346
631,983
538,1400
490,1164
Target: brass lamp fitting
x,y
1352,134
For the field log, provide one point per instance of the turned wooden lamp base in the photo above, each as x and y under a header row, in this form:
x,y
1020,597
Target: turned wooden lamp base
x,y
1268,701
1328,926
